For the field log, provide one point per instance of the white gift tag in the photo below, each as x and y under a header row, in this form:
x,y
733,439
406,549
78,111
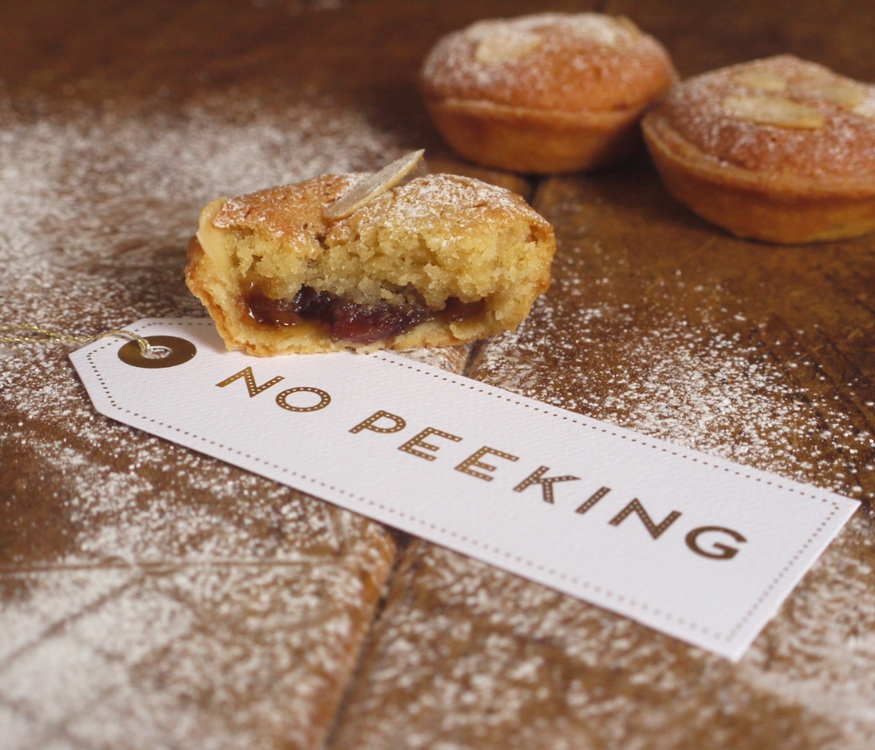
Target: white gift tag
x,y
693,546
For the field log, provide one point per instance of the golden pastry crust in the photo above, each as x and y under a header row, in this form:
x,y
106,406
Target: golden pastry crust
x,y
780,150
460,258
545,93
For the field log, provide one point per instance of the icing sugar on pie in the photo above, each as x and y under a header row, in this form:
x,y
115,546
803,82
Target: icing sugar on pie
x,y
781,150
545,93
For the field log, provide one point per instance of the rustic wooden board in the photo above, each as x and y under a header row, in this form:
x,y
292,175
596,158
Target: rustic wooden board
x,y
702,36
659,322
152,596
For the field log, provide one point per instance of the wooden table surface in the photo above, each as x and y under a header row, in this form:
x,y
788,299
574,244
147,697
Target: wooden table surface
x,y
155,598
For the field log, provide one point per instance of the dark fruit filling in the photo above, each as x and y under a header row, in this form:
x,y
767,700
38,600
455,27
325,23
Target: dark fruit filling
x,y
350,321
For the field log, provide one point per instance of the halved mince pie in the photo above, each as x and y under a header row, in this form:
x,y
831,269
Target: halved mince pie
x,y
440,260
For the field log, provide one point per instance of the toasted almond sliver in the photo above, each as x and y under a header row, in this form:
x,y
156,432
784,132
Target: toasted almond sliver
x,y
506,45
866,108
844,94
763,80
774,110
629,25
376,183
212,240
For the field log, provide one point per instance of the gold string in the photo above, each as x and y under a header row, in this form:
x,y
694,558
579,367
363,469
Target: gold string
x,y
49,337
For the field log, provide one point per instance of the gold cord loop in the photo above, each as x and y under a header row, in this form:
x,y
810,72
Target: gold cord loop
x,y
49,337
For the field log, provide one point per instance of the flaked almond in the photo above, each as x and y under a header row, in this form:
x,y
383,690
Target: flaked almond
x,y
629,25
845,95
774,110
374,184
764,80
506,45
212,240
866,108
599,28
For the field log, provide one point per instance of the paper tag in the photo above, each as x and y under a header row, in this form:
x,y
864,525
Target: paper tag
x,y
693,546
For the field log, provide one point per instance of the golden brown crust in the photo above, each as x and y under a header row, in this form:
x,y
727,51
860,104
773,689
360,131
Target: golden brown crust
x,y
523,141
544,93
437,238
780,150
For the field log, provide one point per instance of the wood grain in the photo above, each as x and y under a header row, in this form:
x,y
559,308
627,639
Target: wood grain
x,y
154,597
656,322
662,323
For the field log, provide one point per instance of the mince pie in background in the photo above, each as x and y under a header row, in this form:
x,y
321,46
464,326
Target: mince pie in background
x,y
357,261
545,93
781,150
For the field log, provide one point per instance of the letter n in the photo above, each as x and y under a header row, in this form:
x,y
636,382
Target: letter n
x,y
635,507
247,375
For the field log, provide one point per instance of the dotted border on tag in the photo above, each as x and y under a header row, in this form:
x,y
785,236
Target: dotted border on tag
x,y
526,403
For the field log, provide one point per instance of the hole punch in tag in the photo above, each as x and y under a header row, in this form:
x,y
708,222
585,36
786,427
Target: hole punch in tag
x,y
163,351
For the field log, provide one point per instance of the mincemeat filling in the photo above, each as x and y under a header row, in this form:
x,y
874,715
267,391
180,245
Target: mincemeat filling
x,y
350,321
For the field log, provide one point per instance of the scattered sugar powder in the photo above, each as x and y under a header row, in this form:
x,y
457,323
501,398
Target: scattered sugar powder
x,y
468,655
690,382
152,596
465,655
703,378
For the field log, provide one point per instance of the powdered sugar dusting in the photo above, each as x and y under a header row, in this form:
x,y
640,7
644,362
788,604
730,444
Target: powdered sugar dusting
x,y
866,108
154,597
838,139
686,381
571,62
593,27
477,656
499,41
436,199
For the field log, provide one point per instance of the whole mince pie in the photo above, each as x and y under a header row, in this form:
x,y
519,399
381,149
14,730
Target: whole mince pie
x,y
359,261
780,150
545,93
